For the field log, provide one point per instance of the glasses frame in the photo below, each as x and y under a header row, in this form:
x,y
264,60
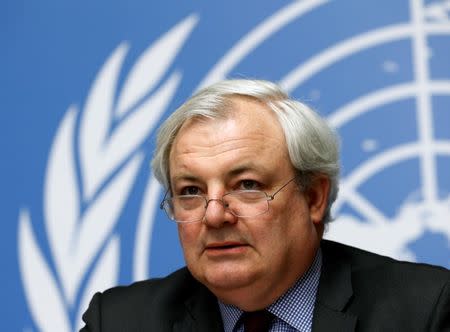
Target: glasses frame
x,y
268,198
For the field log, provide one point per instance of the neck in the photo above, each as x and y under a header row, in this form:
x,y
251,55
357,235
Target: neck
x,y
261,294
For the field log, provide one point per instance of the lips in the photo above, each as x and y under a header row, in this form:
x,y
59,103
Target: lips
x,y
224,245
225,248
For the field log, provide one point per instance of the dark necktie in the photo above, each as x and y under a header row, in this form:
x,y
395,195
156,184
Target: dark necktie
x,y
257,321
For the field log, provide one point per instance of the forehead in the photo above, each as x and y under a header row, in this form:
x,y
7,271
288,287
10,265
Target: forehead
x,y
250,133
252,114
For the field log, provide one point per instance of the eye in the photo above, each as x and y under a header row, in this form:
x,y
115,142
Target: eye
x,y
249,185
190,190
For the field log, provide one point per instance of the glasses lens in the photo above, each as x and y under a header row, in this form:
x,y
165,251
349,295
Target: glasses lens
x,y
186,208
248,203
192,208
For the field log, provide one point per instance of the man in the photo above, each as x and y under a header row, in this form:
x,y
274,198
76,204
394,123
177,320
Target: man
x,y
251,176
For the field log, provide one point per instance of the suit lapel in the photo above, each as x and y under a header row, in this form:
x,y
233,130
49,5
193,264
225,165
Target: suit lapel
x,y
334,293
326,319
201,312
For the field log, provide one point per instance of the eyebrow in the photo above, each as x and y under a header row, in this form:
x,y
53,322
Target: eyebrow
x,y
241,169
235,171
187,177
248,167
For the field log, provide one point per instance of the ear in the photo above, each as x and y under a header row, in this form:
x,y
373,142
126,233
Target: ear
x,y
317,198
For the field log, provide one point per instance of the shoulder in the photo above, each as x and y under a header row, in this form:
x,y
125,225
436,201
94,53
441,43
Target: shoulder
x,y
163,291
382,292
364,262
154,302
383,287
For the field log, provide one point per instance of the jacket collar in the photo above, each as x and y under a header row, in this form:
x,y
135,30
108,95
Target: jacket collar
x,y
334,293
201,311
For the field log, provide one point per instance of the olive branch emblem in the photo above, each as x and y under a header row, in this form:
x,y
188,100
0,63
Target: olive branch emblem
x,y
92,166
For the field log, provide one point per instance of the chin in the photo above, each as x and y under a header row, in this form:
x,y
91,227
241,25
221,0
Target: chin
x,y
229,278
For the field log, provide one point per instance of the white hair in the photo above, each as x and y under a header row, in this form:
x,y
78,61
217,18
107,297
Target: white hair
x,y
312,145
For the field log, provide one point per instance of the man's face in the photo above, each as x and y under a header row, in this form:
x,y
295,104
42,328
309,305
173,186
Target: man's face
x,y
245,261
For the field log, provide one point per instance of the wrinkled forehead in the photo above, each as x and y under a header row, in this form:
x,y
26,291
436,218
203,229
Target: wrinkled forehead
x,y
238,119
243,118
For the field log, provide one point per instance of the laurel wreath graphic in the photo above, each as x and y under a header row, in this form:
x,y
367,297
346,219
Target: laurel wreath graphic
x,y
82,204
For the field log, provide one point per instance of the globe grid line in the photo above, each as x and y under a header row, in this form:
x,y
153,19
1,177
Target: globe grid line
x,y
352,45
424,108
256,36
367,169
369,102
417,30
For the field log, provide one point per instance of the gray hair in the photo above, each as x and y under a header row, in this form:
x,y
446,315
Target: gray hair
x,y
312,144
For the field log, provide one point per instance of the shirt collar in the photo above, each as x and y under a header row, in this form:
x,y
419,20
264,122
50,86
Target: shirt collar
x,y
295,307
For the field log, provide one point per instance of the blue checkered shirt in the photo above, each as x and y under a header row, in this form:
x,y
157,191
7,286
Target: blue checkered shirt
x,y
293,311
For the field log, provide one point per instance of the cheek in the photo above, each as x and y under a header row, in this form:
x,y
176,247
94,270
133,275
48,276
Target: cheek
x,y
188,235
290,223
268,234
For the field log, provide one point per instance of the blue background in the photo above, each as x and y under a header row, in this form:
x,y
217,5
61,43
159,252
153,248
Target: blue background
x,y
52,52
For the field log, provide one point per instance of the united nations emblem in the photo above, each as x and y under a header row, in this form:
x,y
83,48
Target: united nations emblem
x,y
377,82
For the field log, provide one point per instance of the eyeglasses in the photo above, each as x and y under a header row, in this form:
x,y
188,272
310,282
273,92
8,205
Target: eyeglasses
x,y
241,203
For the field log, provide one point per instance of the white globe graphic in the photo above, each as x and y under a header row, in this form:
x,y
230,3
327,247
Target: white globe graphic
x,y
422,215
428,208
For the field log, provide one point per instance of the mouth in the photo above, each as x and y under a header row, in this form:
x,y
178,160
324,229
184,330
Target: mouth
x,y
225,248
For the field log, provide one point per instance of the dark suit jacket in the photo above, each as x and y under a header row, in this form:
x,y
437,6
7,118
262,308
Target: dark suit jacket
x,y
358,291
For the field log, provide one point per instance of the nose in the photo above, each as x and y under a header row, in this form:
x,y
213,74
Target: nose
x,y
217,213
